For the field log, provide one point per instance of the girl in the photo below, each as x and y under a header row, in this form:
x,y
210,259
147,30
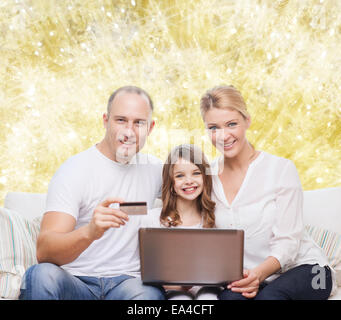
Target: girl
x,y
261,193
186,198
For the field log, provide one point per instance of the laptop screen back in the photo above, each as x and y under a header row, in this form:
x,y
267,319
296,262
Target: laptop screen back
x,y
191,256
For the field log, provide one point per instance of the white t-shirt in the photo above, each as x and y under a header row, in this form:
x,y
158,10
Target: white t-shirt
x,y
269,208
82,183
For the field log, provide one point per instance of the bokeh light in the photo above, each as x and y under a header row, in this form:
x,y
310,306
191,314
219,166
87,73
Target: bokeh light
x,y
61,60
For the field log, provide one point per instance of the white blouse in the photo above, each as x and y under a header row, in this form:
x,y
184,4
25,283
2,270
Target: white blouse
x,y
269,208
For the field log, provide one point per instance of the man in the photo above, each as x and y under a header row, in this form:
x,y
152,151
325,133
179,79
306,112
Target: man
x,y
86,249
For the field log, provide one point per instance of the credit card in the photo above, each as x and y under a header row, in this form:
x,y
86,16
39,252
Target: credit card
x,y
131,208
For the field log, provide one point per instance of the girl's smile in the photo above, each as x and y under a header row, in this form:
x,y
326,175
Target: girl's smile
x,y
188,180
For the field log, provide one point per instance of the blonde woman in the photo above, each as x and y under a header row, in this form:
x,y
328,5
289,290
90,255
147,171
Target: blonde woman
x,y
262,194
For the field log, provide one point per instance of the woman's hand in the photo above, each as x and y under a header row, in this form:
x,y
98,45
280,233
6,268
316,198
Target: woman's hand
x,y
248,286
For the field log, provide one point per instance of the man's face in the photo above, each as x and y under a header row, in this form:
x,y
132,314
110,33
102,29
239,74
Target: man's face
x,y
127,125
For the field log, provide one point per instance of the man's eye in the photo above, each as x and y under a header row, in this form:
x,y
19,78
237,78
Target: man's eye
x,y
120,120
140,123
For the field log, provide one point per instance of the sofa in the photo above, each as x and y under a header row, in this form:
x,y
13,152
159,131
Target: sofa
x,y
21,215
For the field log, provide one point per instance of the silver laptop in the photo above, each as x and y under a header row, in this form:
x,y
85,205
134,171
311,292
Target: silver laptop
x,y
191,256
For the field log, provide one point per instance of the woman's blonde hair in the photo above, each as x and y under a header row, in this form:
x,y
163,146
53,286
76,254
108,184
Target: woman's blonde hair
x,y
169,215
223,97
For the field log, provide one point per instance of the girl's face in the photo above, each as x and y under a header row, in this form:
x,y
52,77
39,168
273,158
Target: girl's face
x,y
227,128
188,180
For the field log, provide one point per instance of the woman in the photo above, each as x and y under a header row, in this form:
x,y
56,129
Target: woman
x,y
261,193
186,198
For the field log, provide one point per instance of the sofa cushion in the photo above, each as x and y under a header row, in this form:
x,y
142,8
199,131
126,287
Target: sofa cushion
x,y
322,209
330,242
17,250
29,205
321,213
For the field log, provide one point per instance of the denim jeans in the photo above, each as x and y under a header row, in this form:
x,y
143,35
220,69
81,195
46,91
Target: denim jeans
x,y
47,281
295,284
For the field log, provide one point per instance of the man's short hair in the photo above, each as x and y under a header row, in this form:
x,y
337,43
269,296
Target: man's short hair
x,y
130,89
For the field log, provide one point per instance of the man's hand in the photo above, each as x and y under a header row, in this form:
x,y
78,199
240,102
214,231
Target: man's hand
x,y
248,286
105,217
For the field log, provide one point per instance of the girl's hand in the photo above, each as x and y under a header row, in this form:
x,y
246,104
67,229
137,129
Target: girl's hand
x,y
248,286
177,288
186,288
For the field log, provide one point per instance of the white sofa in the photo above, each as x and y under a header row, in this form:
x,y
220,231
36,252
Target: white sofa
x,y
322,209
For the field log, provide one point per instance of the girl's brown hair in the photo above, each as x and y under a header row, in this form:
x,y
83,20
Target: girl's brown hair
x,y
169,215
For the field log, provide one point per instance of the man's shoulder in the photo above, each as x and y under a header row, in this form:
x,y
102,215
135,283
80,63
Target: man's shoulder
x,y
78,161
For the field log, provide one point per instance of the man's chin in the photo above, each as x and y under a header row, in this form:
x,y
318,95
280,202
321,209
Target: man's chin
x,y
125,155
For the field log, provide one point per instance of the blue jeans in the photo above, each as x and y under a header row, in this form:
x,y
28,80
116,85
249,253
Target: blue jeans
x,y
47,281
296,284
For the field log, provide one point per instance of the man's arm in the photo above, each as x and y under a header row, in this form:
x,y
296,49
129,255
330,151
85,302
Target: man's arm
x,y
58,241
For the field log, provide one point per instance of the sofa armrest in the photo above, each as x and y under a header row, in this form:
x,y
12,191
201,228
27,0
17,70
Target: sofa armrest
x,y
29,205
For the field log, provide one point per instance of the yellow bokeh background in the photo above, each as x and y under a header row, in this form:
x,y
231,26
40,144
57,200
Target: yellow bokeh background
x,y
61,60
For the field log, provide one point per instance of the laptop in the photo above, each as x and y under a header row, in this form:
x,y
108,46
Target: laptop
x,y
187,256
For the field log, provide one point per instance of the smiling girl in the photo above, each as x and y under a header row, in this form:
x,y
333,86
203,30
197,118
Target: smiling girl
x,y
186,198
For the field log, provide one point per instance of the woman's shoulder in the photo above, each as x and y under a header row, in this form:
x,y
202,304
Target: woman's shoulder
x,y
271,159
263,158
264,161
277,166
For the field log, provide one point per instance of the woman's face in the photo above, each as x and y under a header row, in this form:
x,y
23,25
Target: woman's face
x,y
188,180
227,128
